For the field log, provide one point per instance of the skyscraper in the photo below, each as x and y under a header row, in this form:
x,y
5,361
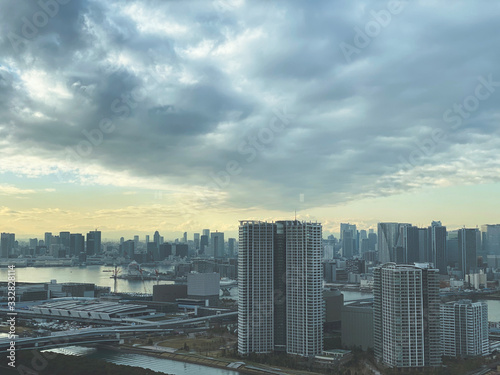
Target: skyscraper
x,y
76,244
406,315
206,232
7,243
231,247
464,328
48,239
388,240
468,240
350,243
217,244
64,238
437,235
280,305
409,251
372,240
128,248
156,239
491,239
196,238
93,242
203,244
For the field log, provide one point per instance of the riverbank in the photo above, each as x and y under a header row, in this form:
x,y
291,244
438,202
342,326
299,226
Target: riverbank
x,y
220,363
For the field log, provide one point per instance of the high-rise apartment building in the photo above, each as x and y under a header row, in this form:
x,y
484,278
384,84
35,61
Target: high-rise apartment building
x,y
280,305
464,328
406,315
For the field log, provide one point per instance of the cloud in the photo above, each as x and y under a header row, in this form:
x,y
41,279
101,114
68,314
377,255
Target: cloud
x,y
14,191
187,86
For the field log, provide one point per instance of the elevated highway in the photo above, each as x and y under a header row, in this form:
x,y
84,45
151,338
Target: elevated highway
x,y
99,335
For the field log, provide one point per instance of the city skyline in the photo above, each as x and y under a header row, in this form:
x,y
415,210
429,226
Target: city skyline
x,y
172,236
179,120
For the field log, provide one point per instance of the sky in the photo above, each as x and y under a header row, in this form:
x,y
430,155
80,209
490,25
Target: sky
x,y
176,116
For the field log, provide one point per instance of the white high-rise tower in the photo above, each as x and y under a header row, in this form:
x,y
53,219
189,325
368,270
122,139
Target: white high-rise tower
x,y
280,305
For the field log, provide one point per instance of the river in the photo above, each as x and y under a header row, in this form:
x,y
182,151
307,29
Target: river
x,y
163,365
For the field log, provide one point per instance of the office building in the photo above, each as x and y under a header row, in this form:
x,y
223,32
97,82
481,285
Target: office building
x,y
7,244
357,325
406,315
437,235
490,239
33,243
152,251
217,244
156,238
348,244
128,248
196,239
280,305
93,242
203,245
165,250
181,250
468,241
389,240
464,328
349,238
409,251
76,244
48,239
372,240
231,247
206,232
64,240
204,286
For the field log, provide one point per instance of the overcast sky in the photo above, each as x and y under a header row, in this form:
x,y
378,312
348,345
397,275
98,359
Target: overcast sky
x,y
176,116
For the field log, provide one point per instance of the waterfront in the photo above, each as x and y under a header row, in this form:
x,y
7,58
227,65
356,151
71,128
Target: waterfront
x,y
95,275
165,366
88,274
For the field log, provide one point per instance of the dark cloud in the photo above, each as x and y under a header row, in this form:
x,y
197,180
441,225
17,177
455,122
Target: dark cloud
x,y
188,85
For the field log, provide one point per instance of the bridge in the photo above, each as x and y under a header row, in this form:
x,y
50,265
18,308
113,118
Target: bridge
x,y
100,335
